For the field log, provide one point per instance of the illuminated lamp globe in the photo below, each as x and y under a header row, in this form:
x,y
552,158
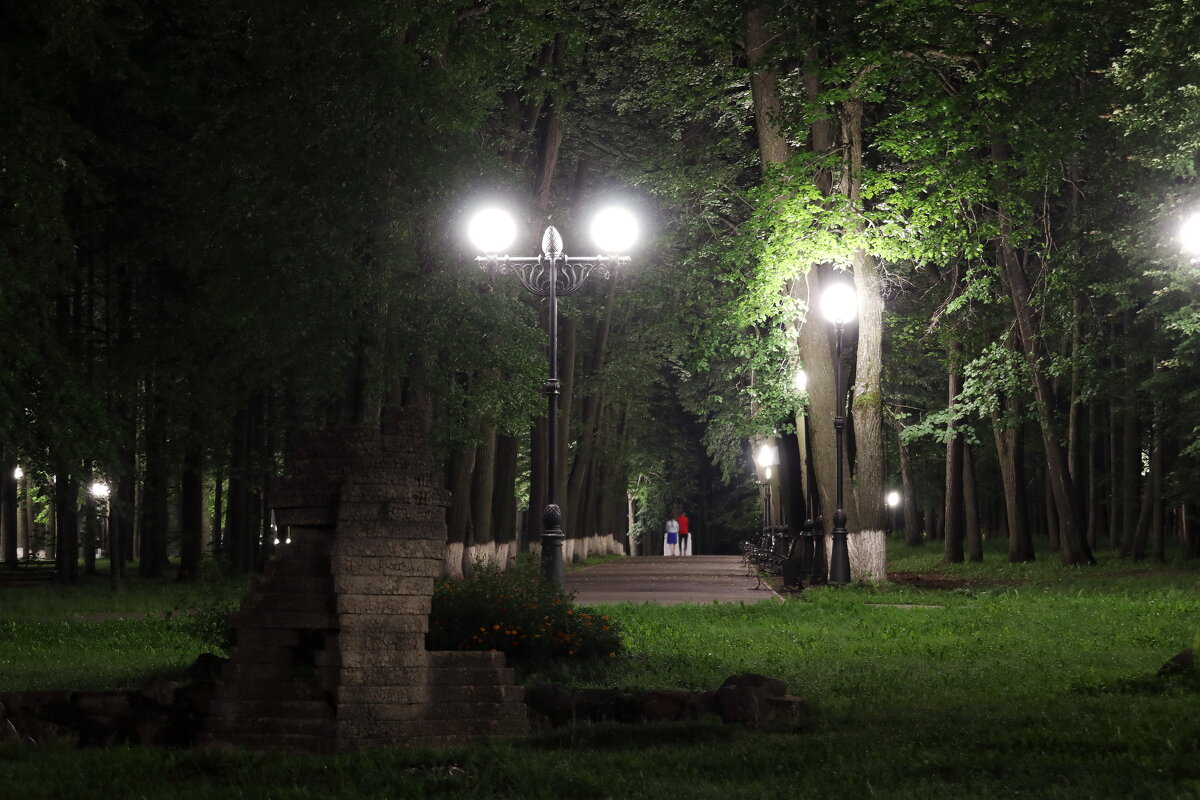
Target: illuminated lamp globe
x,y
893,499
492,230
99,490
1189,234
767,456
839,303
18,473
614,230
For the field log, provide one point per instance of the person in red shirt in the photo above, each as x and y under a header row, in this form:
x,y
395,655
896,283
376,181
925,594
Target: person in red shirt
x,y
685,538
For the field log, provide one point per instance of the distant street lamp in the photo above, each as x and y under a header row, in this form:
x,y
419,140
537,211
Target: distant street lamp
x,y
551,275
99,491
1189,233
892,500
766,457
839,304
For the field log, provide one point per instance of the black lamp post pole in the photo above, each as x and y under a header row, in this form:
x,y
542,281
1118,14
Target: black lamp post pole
x,y
839,564
553,570
551,275
814,533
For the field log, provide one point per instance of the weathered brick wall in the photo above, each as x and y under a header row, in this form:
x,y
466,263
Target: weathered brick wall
x,y
331,646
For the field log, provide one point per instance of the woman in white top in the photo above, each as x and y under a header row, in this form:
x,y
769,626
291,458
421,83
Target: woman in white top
x,y
671,540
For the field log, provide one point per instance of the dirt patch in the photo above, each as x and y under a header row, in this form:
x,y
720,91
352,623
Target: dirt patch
x,y
935,580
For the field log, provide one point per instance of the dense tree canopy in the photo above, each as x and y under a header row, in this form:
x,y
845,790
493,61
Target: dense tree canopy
x,y
223,225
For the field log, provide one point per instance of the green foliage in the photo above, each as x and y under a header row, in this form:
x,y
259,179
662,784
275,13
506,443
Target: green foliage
x,y
515,612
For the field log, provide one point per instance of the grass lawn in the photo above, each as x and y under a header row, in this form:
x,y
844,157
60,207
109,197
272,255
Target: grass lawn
x,y
1019,681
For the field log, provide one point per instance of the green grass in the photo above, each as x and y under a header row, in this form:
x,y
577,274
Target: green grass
x,y
66,637
1022,681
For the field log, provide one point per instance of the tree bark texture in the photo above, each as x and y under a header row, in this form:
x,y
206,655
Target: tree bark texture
x,y
1067,500
952,549
971,508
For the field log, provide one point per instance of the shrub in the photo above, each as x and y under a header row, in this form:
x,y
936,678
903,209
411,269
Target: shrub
x,y
516,613
209,622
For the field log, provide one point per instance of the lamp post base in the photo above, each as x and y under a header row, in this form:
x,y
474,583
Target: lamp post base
x,y
552,559
553,571
839,560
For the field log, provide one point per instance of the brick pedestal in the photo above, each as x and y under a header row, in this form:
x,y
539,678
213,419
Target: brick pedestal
x,y
331,646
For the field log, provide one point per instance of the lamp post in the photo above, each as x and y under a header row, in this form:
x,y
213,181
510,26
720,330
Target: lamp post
x,y
99,492
892,500
839,305
767,457
552,275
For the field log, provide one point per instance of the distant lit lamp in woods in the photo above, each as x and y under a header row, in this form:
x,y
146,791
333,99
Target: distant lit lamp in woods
x,y
99,492
767,457
839,305
892,500
552,275
1189,234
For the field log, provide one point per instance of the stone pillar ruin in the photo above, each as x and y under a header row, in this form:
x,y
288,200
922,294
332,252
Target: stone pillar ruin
x,y
330,650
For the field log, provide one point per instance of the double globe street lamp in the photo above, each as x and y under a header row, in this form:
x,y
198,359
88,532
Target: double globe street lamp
x,y
552,274
839,305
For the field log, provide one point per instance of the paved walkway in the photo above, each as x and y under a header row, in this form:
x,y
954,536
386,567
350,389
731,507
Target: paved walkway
x,y
667,580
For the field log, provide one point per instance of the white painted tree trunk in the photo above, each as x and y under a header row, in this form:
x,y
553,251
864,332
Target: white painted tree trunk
x,y
452,568
868,556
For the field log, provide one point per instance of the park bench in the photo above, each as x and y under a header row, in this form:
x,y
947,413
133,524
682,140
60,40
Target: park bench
x,y
770,551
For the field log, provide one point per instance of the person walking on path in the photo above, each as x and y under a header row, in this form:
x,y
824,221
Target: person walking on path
x,y
671,540
685,539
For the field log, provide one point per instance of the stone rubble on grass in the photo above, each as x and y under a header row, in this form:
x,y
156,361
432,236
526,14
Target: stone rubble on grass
x,y
747,699
1179,664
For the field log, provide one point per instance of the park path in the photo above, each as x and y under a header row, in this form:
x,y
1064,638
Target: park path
x,y
668,580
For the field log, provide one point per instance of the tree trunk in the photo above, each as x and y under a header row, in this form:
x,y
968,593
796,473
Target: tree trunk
x,y
971,508
91,522
952,550
589,423
1067,500
1010,454
772,145
8,506
155,510
868,548
1131,466
483,490
218,509
239,546
191,517
1095,515
1116,498
537,482
458,515
504,498
912,527
66,514
1051,517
